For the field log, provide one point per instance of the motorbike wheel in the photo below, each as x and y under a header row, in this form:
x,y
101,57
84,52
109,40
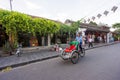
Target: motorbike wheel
x,y
82,54
74,57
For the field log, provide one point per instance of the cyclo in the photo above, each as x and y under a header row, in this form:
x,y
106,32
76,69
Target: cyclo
x,y
72,52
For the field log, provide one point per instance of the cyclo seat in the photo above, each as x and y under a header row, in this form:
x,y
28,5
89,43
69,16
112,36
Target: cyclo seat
x,y
73,46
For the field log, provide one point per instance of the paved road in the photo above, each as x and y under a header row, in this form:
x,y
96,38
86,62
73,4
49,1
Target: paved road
x,y
99,64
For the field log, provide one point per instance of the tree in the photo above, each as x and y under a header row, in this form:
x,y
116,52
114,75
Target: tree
x,y
3,13
116,26
45,27
93,23
15,22
69,29
64,28
50,26
75,26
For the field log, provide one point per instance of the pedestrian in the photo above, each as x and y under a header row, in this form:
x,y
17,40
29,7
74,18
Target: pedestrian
x,y
100,38
90,44
56,46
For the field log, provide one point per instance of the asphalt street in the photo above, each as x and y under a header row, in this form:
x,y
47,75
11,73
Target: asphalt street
x,y
98,64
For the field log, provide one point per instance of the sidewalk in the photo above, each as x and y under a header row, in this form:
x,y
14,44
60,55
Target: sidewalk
x,y
35,55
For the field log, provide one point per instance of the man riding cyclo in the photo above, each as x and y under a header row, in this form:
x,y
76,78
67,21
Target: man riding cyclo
x,y
74,50
79,38
76,45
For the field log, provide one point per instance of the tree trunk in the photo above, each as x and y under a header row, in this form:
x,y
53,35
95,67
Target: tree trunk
x,y
12,41
43,40
49,40
10,38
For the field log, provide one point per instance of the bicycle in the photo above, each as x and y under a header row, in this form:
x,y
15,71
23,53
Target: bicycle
x,y
73,52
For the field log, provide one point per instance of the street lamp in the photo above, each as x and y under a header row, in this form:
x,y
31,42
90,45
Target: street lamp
x,y
11,5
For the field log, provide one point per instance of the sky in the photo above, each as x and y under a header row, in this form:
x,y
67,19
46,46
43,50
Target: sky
x,y
67,9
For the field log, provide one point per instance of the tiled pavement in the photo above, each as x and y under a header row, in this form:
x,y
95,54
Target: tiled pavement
x,y
35,54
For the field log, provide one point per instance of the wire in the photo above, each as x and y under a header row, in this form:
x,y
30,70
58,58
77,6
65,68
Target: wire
x,y
99,8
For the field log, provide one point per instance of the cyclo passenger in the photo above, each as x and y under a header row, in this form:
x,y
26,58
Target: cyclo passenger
x,y
79,38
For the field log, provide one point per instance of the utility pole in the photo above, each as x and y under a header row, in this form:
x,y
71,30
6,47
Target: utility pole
x,y
11,5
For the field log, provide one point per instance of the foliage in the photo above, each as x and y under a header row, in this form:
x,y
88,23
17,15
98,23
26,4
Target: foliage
x,y
65,28
44,26
116,37
75,26
14,45
18,22
3,13
72,28
93,23
15,22
53,27
116,26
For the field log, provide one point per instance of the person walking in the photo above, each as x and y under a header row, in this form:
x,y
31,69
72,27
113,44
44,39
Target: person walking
x,y
90,42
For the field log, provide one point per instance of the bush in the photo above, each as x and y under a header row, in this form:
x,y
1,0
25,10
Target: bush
x,y
7,48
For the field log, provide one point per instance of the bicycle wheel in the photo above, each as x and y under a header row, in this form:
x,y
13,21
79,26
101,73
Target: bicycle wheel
x,y
19,54
74,57
82,54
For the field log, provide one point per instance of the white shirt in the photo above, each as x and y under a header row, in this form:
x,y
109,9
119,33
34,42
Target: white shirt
x,y
90,39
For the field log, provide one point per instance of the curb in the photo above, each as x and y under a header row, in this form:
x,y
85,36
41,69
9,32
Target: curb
x,y
46,58
102,45
28,62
